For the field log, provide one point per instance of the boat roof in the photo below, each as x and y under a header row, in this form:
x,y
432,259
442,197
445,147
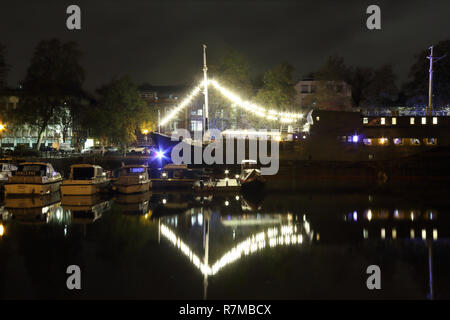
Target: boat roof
x,y
34,163
134,166
175,166
85,165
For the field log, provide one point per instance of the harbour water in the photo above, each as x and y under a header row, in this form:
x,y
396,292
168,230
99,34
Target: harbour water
x,y
179,245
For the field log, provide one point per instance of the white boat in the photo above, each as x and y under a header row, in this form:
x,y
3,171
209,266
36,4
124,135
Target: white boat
x,y
85,179
6,172
33,178
132,179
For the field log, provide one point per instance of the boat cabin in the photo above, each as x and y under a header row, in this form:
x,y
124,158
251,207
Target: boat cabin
x,y
86,172
35,169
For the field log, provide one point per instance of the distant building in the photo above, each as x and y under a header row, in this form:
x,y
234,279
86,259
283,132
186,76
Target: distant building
x,y
25,135
340,91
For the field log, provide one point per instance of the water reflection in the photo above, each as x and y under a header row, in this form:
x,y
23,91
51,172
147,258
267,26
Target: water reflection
x,y
219,236
85,209
42,209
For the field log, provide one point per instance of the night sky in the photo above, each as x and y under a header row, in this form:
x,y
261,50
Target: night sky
x,y
159,42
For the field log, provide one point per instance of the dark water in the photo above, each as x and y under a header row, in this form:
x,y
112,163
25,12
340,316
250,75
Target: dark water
x,y
182,246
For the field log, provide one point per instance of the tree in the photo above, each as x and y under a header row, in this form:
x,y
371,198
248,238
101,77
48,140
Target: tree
x,y
333,69
120,112
416,89
4,68
52,82
278,90
381,90
233,72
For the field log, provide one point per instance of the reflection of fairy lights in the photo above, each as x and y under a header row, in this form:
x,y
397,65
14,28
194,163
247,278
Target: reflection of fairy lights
x,y
273,237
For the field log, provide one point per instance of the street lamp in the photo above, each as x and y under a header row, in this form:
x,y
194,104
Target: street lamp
x,y
145,131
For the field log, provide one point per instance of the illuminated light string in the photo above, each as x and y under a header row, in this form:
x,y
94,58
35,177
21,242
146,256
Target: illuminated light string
x,y
283,117
183,104
286,235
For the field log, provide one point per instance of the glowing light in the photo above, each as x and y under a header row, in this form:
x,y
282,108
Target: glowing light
x,y
164,201
355,138
145,131
227,203
2,126
160,154
369,215
284,117
237,197
424,234
435,234
383,233
2,230
365,233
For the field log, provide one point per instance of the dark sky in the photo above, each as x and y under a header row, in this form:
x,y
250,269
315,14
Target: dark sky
x,y
160,41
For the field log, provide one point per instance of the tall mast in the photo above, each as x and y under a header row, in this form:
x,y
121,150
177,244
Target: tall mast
x,y
430,83
205,85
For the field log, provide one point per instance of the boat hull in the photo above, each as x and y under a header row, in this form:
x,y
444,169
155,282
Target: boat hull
x,y
83,189
253,185
171,183
132,188
32,188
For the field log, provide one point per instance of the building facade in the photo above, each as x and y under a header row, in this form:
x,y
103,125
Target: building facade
x,y
335,91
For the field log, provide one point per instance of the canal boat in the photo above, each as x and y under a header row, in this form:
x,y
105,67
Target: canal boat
x,y
132,179
250,178
33,178
173,176
85,179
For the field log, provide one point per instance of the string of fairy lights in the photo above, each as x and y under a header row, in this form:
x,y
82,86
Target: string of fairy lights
x,y
274,115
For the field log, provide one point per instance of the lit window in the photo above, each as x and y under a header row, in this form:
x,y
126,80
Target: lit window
x,y
383,120
435,121
365,120
411,120
394,121
424,120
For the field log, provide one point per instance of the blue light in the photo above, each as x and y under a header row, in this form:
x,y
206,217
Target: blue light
x,y
355,138
159,154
